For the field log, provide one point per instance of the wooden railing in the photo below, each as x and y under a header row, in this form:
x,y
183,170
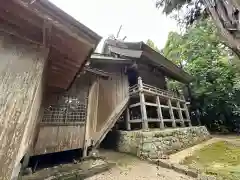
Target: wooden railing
x,y
164,100
154,90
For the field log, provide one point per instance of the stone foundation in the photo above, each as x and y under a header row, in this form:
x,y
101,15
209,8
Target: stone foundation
x,y
155,144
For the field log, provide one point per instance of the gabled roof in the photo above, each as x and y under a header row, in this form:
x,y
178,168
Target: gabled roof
x,y
143,53
40,22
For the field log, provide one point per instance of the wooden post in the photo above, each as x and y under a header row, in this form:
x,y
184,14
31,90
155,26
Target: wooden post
x,y
171,113
187,113
128,126
87,139
180,114
142,103
159,111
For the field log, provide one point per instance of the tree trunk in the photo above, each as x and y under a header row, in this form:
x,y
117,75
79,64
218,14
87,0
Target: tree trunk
x,y
226,19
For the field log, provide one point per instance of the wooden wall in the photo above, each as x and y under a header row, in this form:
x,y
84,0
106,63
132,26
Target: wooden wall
x,y
156,78
59,138
63,131
21,70
112,92
93,108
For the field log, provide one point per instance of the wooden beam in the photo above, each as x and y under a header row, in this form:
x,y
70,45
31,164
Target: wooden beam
x,y
87,125
162,95
135,105
128,126
180,113
187,113
62,123
20,32
159,112
96,113
16,20
110,122
143,106
27,16
164,106
171,113
153,120
135,121
150,104
167,120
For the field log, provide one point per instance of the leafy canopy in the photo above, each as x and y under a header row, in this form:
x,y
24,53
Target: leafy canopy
x,y
215,92
151,44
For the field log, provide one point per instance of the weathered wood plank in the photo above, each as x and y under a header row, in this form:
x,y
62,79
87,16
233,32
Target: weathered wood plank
x,y
92,108
171,113
128,126
59,138
143,105
159,111
21,71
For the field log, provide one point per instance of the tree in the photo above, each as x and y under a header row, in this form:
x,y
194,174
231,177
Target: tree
x,y
151,44
225,15
214,89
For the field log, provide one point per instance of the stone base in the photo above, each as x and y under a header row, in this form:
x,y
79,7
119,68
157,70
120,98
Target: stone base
x,y
156,144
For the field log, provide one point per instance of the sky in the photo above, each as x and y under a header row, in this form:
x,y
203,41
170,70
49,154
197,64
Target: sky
x,y
140,19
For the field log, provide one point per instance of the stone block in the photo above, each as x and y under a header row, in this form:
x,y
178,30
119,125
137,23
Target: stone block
x,y
157,143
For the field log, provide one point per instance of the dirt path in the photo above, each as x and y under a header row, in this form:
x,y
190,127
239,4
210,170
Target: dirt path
x,y
131,168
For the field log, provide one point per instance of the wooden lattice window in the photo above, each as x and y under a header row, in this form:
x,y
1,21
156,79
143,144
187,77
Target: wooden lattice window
x,y
72,110
70,106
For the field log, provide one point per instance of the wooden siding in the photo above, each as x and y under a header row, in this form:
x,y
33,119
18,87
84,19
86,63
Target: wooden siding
x,y
93,108
64,129
21,69
91,122
112,92
59,138
156,79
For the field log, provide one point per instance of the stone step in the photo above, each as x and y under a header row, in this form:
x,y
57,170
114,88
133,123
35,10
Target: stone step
x,y
71,171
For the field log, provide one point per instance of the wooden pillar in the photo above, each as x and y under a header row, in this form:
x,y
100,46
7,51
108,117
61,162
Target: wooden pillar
x,y
142,103
187,113
159,111
128,126
171,113
180,114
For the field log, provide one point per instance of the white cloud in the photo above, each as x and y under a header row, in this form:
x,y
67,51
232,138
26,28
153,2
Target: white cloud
x,y
139,18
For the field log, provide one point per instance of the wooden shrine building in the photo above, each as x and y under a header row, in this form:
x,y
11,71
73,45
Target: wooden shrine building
x,y
150,104
42,50
56,95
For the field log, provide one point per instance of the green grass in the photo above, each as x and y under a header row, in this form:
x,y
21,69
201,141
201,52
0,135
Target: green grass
x,y
221,159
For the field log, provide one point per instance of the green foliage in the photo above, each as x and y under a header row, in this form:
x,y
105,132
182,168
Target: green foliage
x,y
151,44
184,11
216,87
171,5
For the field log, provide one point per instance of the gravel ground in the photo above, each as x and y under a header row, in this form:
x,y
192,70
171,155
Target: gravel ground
x,y
131,168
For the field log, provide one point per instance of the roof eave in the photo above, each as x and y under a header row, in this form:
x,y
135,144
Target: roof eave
x,y
161,61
